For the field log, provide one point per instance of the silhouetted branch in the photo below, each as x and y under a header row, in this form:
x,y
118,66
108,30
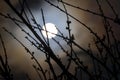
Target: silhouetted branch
x,y
28,51
103,54
116,20
5,70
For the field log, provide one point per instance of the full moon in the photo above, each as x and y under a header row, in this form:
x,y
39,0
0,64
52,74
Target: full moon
x,y
49,30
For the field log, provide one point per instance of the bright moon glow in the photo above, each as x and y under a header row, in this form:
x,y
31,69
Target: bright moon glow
x,y
50,29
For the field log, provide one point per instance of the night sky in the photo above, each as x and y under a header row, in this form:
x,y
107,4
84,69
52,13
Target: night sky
x,y
21,62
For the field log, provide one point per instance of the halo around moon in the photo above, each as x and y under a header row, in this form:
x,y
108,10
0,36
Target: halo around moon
x,y
49,30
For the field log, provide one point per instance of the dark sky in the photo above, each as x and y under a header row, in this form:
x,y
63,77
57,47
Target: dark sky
x,y
17,54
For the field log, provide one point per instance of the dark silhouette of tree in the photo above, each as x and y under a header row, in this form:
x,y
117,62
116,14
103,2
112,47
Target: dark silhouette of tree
x,y
104,61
